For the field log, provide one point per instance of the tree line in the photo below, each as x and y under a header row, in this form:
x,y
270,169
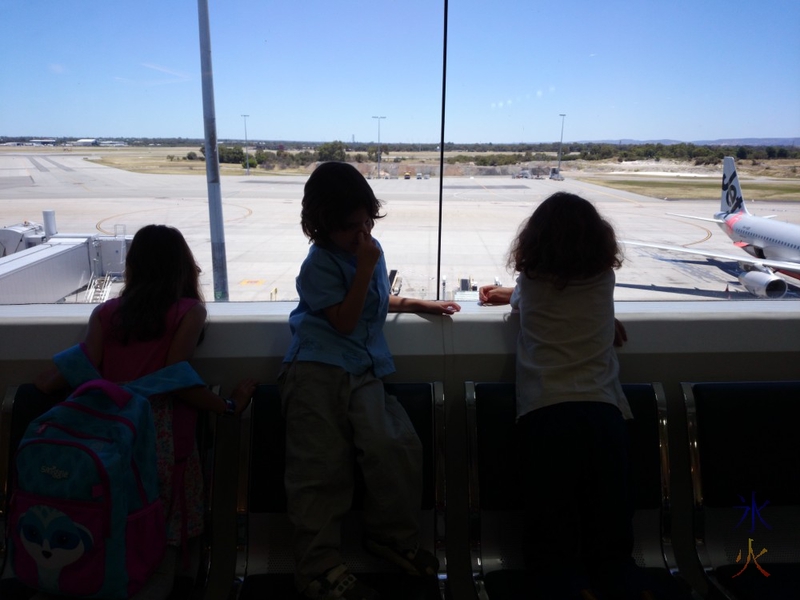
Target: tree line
x,y
282,157
293,154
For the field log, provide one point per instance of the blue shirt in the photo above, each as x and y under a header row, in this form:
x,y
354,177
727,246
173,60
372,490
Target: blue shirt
x,y
325,277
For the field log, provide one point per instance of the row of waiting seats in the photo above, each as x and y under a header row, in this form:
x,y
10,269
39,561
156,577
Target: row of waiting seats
x,y
745,470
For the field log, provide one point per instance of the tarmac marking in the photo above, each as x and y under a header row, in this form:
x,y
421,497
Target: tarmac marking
x,y
116,217
59,165
38,165
706,229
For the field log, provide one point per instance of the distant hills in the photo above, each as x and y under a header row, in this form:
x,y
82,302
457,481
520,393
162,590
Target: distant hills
x,y
727,142
786,142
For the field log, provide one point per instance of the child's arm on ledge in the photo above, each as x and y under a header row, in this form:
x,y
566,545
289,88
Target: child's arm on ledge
x,y
436,307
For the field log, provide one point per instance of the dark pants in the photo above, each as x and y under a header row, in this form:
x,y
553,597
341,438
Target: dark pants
x,y
575,471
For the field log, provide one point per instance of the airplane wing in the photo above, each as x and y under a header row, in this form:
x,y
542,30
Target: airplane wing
x,y
710,220
764,262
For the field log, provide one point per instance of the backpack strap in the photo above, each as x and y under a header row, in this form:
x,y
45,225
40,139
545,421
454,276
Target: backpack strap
x,y
173,377
74,364
118,395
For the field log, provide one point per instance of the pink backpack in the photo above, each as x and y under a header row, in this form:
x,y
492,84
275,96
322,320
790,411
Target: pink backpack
x,y
85,515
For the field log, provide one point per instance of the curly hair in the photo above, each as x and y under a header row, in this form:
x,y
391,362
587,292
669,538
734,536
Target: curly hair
x,y
332,193
565,239
160,269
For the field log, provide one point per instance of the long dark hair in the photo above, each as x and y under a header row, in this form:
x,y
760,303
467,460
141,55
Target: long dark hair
x,y
332,193
160,269
565,239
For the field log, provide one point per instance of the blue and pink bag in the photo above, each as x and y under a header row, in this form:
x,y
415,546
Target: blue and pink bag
x,y
85,515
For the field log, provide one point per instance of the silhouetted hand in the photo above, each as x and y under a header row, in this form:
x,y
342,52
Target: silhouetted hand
x,y
441,307
242,394
495,294
367,252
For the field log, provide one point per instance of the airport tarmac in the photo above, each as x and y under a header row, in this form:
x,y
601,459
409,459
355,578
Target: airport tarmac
x,y
265,245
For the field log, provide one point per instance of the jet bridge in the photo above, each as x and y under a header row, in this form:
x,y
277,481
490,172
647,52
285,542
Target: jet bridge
x,y
40,266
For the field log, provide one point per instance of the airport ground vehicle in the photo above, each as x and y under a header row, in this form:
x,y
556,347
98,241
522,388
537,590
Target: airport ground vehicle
x,y
407,175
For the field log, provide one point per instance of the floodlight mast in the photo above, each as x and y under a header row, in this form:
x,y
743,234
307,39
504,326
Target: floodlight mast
x,y
379,144
246,155
218,259
562,115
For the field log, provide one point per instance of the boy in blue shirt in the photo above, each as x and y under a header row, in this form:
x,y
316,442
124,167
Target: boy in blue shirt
x,y
333,398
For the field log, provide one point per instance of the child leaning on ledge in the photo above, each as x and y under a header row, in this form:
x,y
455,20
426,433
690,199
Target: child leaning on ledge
x,y
158,320
333,398
571,410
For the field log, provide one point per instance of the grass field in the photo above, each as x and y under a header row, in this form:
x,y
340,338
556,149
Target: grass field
x,y
167,161
681,189
157,160
766,180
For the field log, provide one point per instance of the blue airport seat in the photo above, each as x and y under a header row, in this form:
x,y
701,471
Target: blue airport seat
x,y
265,562
24,403
745,455
496,503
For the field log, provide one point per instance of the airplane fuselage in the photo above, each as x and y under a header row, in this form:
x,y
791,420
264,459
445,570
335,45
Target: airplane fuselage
x,y
763,238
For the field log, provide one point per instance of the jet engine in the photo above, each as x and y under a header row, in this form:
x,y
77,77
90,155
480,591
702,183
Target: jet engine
x,y
763,285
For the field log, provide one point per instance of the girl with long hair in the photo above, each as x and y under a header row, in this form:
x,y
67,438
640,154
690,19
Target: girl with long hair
x,y
158,320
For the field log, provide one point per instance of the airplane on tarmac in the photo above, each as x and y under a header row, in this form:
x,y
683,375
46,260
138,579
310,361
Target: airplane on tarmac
x,y
773,245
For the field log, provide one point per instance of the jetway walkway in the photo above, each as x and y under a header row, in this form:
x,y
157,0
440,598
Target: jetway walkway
x,y
40,266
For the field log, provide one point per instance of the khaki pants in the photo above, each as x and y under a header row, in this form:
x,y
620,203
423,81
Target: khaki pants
x,y
334,419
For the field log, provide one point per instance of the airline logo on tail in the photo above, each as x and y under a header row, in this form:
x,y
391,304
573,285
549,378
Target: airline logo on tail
x,y
732,201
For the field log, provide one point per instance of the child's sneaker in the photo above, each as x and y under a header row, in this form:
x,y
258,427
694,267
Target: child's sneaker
x,y
415,561
338,583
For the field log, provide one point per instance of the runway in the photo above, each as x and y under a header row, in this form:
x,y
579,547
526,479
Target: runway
x,y
265,245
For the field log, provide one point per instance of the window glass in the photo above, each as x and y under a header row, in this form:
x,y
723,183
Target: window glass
x,y
615,73
108,101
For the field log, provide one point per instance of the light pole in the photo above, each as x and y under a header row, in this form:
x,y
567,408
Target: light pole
x,y
562,115
246,155
379,144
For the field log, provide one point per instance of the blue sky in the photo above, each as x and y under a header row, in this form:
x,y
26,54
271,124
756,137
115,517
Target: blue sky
x,y
320,70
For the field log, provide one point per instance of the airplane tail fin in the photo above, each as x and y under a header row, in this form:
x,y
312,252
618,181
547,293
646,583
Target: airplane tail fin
x,y
732,200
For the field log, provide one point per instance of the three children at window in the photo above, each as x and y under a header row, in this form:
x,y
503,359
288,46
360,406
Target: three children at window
x,y
570,405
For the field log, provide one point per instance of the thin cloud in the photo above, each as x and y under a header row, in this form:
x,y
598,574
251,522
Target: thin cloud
x,y
173,76
56,68
160,69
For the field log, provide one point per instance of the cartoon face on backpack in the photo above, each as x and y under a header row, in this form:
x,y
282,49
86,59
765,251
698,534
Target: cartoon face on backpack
x,y
53,540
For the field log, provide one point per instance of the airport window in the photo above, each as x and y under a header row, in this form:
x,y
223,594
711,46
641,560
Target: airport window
x,y
461,140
